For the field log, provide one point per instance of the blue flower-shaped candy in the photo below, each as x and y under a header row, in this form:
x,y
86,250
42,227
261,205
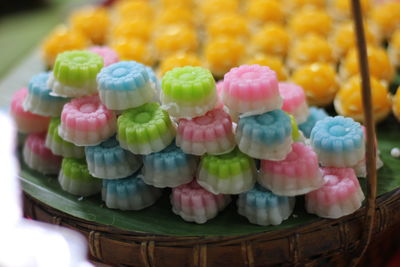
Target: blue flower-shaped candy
x,y
316,114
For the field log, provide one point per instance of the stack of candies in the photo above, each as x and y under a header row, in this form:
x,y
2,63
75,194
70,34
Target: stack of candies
x,y
114,128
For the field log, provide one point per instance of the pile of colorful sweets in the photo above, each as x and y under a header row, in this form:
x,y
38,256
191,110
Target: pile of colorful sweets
x,y
307,42
113,129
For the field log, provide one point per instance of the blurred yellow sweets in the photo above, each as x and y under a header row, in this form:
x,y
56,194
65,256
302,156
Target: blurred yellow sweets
x,y
92,22
179,60
273,62
138,28
318,81
211,8
175,38
175,15
348,101
133,49
344,39
263,11
310,49
232,25
62,39
223,53
296,4
396,104
308,20
342,8
271,39
394,48
386,17
176,3
379,64
133,9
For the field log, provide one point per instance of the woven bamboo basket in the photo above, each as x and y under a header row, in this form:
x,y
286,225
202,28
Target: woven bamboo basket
x,y
366,237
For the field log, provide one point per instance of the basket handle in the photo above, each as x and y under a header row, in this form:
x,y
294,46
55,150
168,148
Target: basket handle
x,y
370,129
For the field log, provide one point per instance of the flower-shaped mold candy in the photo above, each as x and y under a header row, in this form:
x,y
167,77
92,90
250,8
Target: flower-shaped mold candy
x,y
109,55
228,24
108,160
211,133
275,63
170,167
251,89
75,178
231,173
310,20
265,136
271,39
86,121
297,174
338,141
38,157
340,195
124,85
39,100
195,204
294,101
59,146
129,193
145,129
74,73
316,114
26,121
261,206
188,92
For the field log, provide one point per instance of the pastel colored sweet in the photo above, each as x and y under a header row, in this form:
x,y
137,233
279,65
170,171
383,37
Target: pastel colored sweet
x,y
59,146
108,160
75,178
86,121
348,101
38,157
318,81
211,133
156,83
251,89
265,136
297,135
170,167
338,141
230,173
26,121
145,129
310,20
129,193
195,204
74,73
261,206
316,114
340,195
109,55
275,63
297,174
271,39
39,100
124,85
294,101
220,90
188,92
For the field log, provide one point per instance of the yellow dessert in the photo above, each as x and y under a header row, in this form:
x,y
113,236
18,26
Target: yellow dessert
x,y
271,39
307,21
211,8
92,22
264,11
318,81
342,8
232,25
136,28
344,39
223,53
310,49
62,39
179,60
296,4
176,3
273,62
394,48
133,9
386,17
348,101
175,38
175,15
396,104
133,49
379,64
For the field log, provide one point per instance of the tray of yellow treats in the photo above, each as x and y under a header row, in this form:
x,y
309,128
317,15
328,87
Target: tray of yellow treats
x,y
213,132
